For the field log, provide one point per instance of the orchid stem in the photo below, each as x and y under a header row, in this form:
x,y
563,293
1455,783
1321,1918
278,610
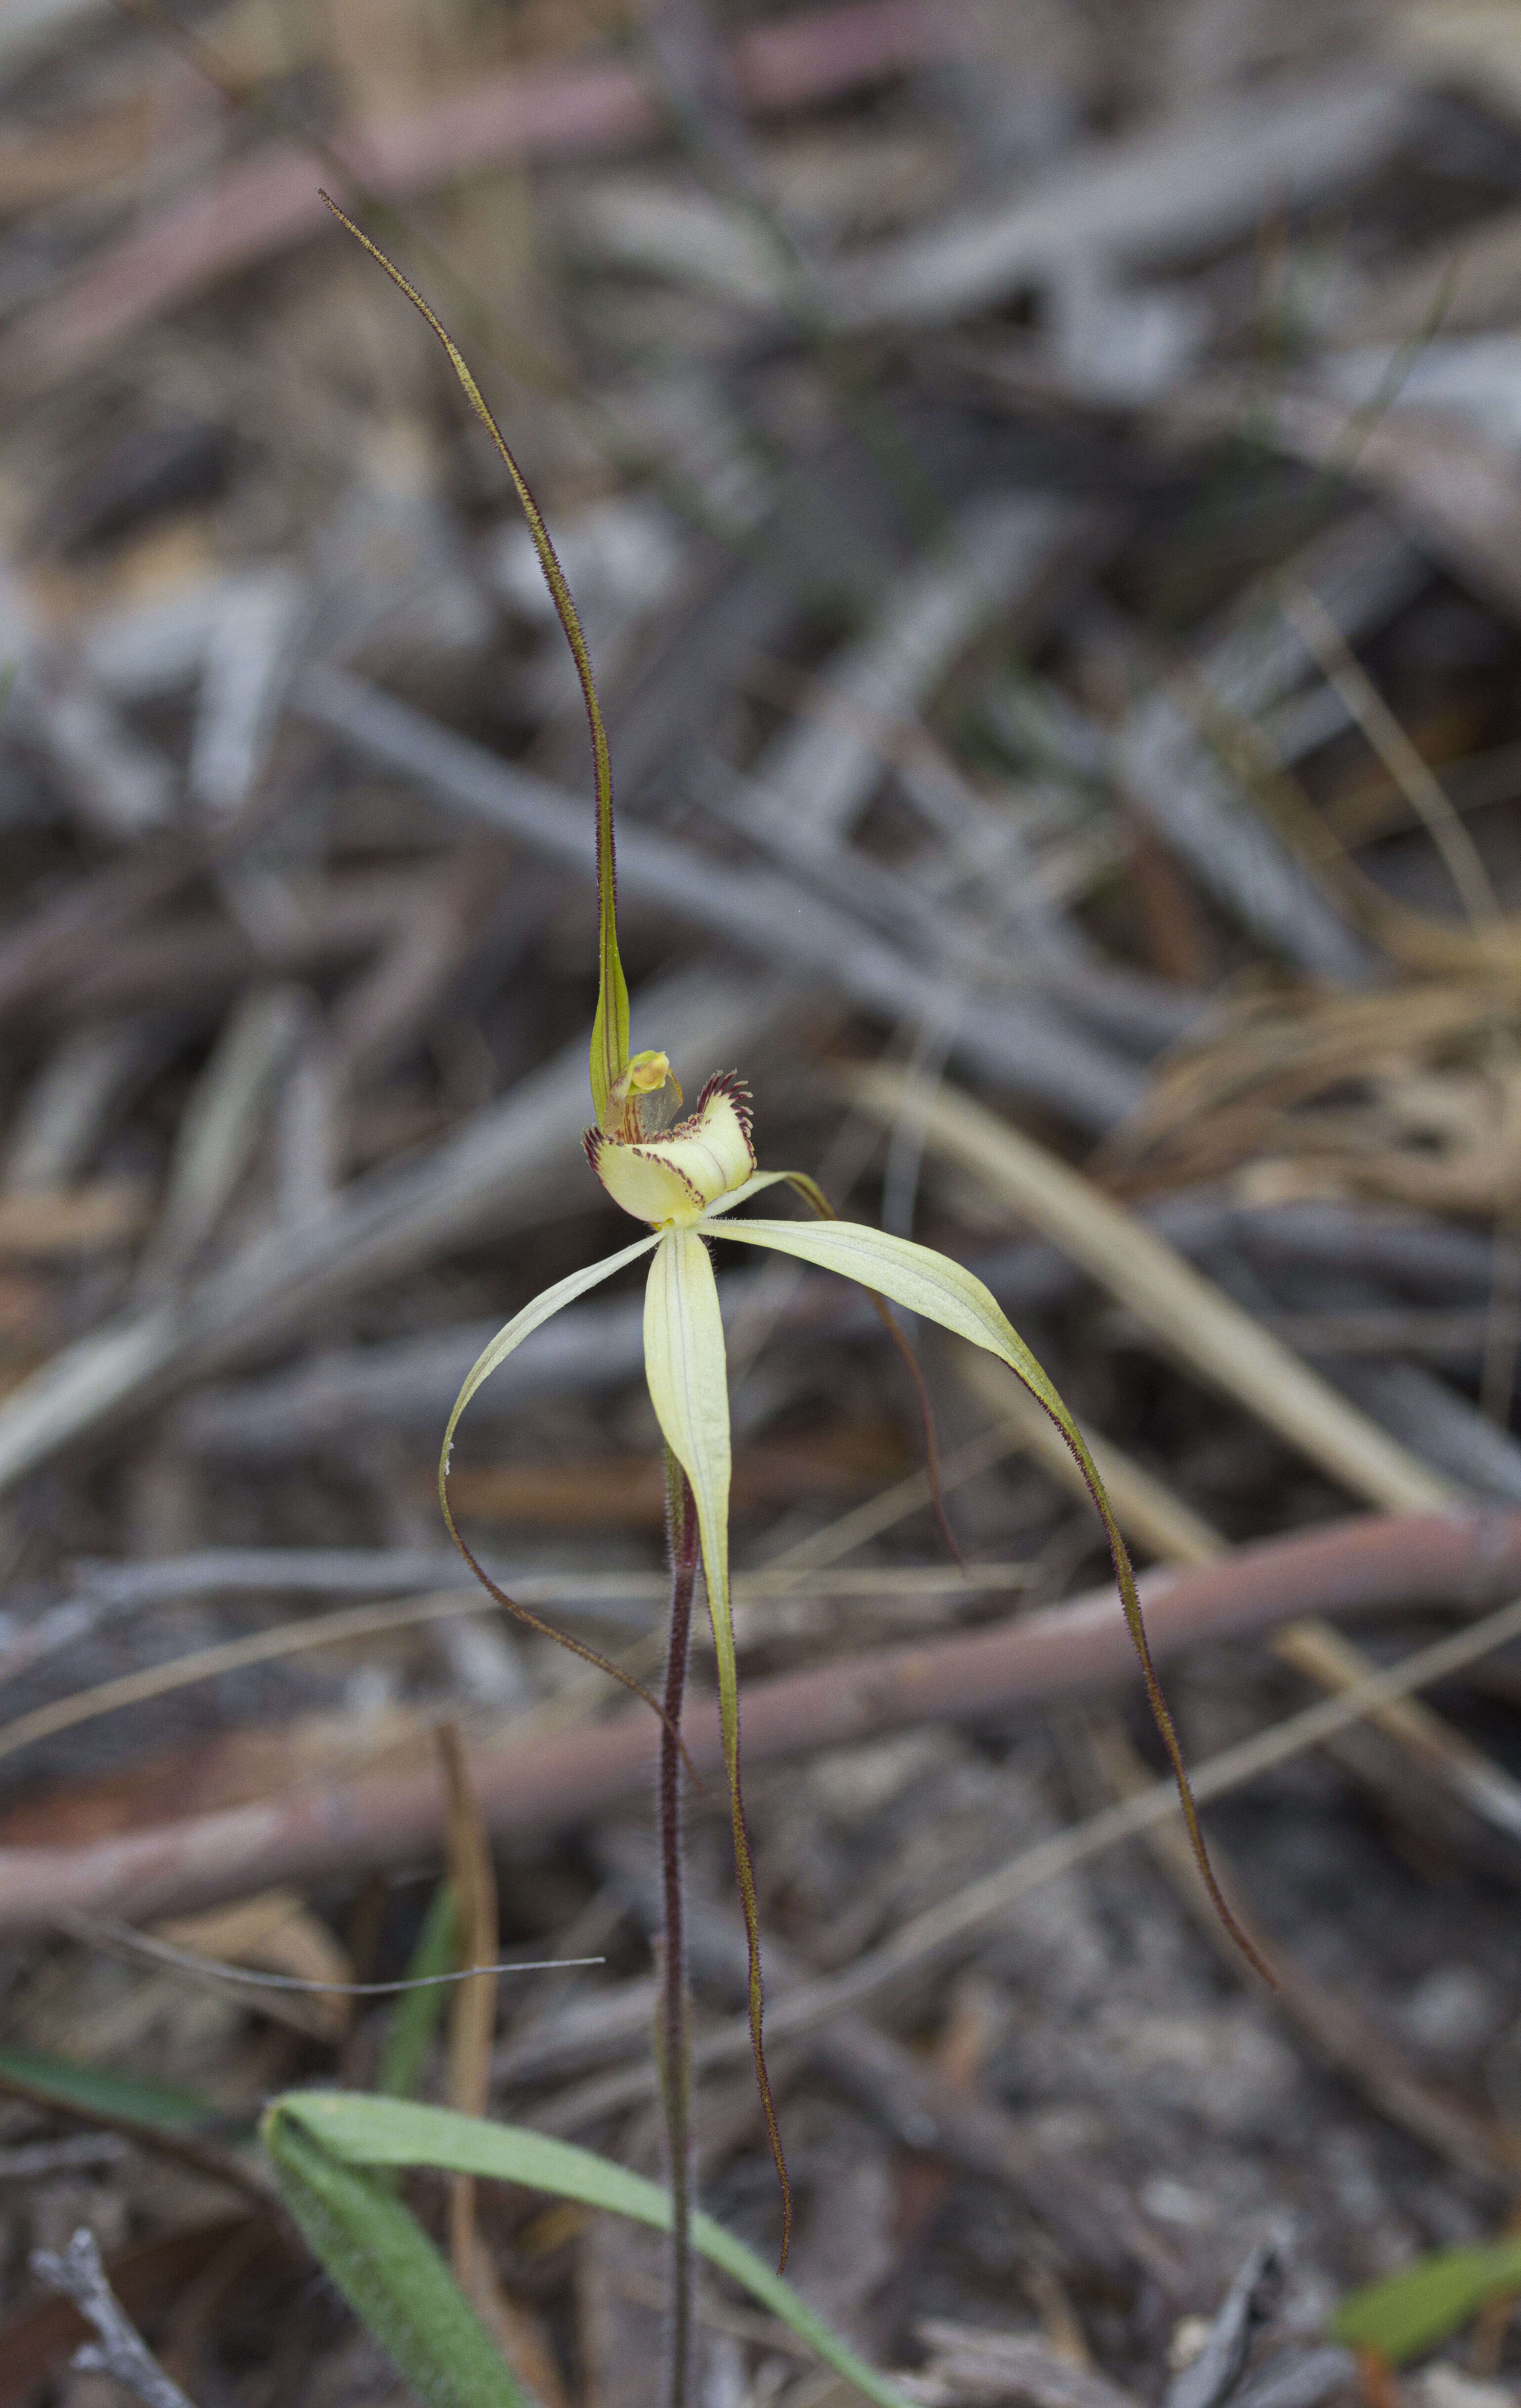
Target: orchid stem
x,y
673,2035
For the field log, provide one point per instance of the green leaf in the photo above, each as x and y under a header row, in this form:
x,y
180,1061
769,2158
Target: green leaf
x,y
414,2018
390,2272
1409,2312
94,2090
374,2132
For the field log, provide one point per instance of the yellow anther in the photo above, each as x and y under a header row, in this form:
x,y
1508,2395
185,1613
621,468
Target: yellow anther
x,y
642,1097
647,1073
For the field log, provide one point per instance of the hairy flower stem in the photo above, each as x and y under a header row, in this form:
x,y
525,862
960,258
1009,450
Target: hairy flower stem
x,y
673,2031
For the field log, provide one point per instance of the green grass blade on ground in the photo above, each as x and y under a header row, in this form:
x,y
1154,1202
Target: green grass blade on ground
x,y
98,2092
415,2017
369,2133
1409,2312
390,2272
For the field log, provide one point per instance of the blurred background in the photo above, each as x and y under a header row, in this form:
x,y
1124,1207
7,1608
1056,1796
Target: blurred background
x,y
1039,477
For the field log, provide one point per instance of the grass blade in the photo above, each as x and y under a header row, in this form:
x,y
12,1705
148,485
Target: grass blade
x,y
390,2273
1411,2312
98,2092
415,2018
367,2133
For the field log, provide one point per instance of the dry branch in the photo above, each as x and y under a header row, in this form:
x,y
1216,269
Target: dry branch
x,y
556,1784
1188,1313
512,1161
266,204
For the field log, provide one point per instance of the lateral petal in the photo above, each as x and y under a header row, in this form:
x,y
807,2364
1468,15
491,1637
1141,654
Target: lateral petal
x,y
916,1277
753,1186
925,1281
532,1317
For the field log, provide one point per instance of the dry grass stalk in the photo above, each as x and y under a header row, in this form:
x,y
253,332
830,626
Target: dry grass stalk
x,y
1185,1311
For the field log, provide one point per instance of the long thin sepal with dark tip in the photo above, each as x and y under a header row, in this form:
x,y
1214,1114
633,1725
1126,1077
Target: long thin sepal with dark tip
x,y
609,1029
1161,1713
745,1870
817,1202
921,1280
673,2035
547,1629
1162,1716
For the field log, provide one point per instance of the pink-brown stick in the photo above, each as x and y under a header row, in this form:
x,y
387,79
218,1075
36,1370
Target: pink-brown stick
x,y
264,204
1368,1564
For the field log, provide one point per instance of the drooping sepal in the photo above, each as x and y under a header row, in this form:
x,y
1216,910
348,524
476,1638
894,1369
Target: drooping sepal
x,y
925,1281
685,1368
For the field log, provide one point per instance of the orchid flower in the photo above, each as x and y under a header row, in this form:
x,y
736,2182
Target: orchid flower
x,y
686,1184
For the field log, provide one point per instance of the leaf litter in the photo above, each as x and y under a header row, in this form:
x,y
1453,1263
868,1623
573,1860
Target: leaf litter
x,y
1040,497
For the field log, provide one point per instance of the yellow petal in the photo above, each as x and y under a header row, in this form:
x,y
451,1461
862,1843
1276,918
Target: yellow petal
x,y
687,1371
910,1275
927,1283
685,1365
921,1280
671,1181
532,1317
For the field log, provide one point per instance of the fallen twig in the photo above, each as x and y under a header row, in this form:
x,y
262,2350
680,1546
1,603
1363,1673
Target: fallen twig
x,y
147,2279
556,1784
121,2351
1175,187
1338,2030
514,1159
266,204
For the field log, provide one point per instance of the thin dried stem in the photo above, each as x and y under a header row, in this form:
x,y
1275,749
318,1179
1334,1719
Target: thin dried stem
x,y
121,2351
1423,792
473,2016
547,1629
